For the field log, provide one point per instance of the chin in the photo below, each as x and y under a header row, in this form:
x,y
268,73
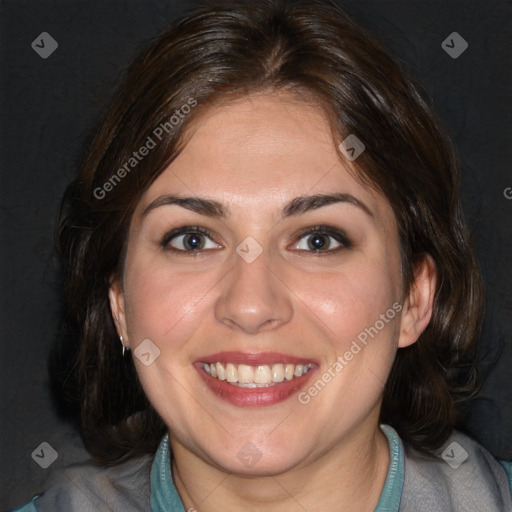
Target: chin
x,y
248,458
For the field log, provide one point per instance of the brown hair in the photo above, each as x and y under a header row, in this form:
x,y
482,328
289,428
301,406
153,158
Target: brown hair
x,y
229,50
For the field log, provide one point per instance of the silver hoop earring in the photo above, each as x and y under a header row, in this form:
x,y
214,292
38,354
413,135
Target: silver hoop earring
x,y
125,348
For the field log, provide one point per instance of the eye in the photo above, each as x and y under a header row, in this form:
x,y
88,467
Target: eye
x,y
189,239
322,239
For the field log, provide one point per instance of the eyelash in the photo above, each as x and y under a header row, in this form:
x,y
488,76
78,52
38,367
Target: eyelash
x,y
338,235
185,230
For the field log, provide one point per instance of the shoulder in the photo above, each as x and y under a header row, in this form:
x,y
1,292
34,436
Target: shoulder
x,y
465,477
92,488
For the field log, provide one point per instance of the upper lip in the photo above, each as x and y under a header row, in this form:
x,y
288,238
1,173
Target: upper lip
x,y
253,358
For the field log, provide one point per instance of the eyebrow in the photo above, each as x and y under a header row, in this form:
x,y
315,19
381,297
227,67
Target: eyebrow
x,y
296,206
207,207
304,204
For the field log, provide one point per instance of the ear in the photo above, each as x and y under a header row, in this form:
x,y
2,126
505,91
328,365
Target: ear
x,y
418,305
117,306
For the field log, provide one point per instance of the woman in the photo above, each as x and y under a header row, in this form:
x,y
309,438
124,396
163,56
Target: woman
x,y
268,221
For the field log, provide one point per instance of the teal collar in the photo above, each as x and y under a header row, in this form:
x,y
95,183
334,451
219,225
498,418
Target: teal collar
x,y
165,497
392,491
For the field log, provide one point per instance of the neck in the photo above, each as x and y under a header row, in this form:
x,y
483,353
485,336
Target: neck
x,y
350,476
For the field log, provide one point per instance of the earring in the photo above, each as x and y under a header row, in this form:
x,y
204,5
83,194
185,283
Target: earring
x,y
125,348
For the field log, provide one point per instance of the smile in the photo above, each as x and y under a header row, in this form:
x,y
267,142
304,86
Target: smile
x,y
254,379
263,375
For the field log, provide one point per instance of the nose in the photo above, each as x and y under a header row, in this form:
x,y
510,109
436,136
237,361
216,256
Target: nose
x,y
252,298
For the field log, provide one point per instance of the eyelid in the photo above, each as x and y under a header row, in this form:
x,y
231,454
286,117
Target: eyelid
x,y
338,234
183,230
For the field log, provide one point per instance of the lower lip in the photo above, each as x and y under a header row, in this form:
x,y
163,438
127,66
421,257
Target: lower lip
x,y
253,397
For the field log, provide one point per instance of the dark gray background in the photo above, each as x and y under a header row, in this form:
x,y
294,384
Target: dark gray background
x,y
49,108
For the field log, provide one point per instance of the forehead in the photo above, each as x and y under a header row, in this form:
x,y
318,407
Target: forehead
x,y
259,152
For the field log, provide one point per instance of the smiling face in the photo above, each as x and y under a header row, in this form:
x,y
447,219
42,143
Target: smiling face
x,y
253,263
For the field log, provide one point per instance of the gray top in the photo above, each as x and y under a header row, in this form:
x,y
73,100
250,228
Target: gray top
x,y
467,478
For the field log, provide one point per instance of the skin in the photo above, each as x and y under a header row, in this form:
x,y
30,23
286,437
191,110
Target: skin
x,y
254,156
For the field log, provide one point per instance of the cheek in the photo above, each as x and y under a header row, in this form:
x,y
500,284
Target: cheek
x,y
359,312
351,300
165,306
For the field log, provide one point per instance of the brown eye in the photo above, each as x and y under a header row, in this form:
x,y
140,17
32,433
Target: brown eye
x,y
319,242
192,241
189,240
322,239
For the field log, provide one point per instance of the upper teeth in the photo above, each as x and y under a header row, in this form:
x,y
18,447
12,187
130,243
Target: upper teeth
x,y
255,376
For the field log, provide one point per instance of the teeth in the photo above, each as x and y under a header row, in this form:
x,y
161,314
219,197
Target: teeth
x,y
262,374
288,371
255,376
231,373
299,369
221,372
245,374
277,373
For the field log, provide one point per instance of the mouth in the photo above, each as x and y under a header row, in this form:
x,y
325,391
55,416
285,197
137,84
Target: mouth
x,y
264,375
253,380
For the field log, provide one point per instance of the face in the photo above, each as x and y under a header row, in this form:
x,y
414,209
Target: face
x,y
256,266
